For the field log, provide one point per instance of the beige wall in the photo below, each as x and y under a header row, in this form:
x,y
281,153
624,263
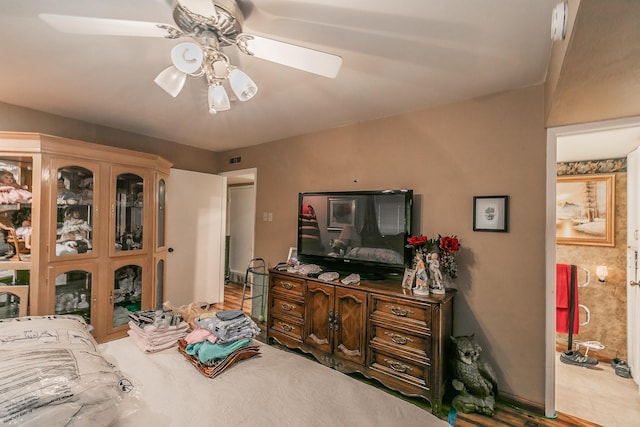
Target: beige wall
x,y
558,52
489,146
598,79
18,119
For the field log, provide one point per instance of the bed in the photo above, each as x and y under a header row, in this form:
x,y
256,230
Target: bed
x,y
119,385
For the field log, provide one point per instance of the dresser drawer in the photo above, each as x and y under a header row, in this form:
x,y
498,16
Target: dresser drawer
x,y
289,327
287,286
280,306
413,315
399,340
399,368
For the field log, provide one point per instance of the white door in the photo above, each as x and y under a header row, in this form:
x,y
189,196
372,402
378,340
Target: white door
x,y
196,212
633,267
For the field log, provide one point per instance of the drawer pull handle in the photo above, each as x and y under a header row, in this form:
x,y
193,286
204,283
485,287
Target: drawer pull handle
x,y
398,339
287,307
288,286
397,366
398,311
285,327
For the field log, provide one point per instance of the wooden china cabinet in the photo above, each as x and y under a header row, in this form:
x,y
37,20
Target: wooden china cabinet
x,y
96,245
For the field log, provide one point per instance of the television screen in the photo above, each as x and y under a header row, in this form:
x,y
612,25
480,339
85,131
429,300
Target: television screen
x,y
357,231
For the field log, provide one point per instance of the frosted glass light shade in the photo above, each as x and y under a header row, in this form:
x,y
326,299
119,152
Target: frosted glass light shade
x,y
242,85
187,57
218,99
171,80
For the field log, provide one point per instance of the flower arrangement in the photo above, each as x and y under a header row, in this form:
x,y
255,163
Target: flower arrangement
x,y
447,246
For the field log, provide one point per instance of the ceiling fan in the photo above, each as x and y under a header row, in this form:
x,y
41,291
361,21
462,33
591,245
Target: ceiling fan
x,y
210,25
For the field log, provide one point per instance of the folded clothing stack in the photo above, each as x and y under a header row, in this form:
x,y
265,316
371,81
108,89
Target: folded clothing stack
x,y
218,338
156,331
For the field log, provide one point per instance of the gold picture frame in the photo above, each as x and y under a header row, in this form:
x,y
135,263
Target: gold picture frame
x,y
585,207
409,277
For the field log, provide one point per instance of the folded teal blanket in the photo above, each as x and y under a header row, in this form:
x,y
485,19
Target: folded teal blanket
x,y
207,351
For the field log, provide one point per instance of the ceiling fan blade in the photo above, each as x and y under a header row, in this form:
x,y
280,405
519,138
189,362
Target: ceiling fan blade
x,y
302,58
101,26
204,8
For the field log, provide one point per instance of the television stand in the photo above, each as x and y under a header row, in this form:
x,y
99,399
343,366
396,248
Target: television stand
x,y
372,328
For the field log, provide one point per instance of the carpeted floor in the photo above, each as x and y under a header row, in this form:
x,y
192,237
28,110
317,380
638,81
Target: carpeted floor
x,y
277,388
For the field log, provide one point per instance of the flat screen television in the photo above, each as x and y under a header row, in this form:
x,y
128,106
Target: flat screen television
x,y
356,231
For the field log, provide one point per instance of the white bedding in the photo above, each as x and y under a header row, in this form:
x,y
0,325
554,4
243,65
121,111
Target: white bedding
x,y
51,374
277,388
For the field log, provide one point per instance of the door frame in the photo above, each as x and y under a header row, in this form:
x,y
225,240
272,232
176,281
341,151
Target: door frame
x,y
550,243
249,173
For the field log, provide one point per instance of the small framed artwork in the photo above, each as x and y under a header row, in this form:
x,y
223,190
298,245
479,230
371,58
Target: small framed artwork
x,y
292,258
585,210
491,213
407,280
342,212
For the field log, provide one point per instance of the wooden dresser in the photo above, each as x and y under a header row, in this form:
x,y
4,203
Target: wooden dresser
x,y
372,328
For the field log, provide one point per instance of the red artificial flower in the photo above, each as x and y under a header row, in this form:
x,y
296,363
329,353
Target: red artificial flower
x,y
417,241
449,244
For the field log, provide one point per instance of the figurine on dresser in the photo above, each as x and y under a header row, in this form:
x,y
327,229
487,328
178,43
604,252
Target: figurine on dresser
x,y
422,286
436,286
474,379
11,191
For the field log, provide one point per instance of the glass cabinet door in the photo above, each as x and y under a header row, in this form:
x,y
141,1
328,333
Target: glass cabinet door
x,y
129,212
73,293
75,214
14,293
162,194
16,182
126,296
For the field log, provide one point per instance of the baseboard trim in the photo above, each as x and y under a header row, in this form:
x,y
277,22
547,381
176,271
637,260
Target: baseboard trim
x,y
519,403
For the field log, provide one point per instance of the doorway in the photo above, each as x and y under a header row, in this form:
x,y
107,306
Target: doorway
x,y
240,227
594,141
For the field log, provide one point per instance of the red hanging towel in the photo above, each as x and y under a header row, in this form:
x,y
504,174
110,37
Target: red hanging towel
x,y
563,298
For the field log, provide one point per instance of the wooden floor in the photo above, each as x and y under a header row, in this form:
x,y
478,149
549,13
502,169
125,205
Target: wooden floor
x,y
505,415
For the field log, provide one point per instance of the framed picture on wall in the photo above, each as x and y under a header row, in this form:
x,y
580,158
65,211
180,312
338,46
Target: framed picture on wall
x,y
341,212
491,213
585,209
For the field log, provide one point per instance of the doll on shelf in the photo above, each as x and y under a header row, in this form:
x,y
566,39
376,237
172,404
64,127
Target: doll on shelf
x,y
11,191
74,228
24,233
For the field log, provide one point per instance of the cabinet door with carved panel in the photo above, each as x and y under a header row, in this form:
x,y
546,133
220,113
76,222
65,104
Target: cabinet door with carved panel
x,y
319,316
336,321
349,324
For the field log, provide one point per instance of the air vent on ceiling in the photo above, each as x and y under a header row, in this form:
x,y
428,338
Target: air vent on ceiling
x,y
234,160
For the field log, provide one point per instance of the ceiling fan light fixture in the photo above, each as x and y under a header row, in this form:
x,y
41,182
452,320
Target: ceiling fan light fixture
x,y
243,87
187,57
171,80
220,69
218,99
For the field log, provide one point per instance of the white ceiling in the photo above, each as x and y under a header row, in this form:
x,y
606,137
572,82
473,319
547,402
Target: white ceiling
x,y
398,56
598,143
